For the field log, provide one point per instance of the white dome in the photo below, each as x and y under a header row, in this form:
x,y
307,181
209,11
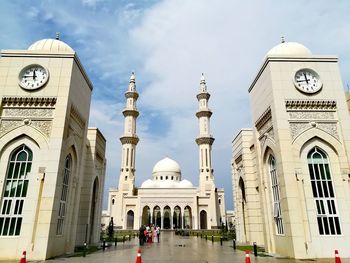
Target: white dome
x,y
166,165
166,184
185,184
289,49
50,45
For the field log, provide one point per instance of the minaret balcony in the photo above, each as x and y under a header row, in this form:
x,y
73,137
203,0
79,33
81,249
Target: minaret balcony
x,y
204,113
131,94
203,95
205,140
130,112
129,139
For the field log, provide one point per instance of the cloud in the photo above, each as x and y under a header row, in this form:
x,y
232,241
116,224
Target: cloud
x,y
169,44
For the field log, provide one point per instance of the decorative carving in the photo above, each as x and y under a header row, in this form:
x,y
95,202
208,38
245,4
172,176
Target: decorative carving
x,y
311,105
330,128
27,112
265,117
204,113
130,112
312,115
28,101
43,126
299,127
203,95
9,125
205,140
129,139
75,115
131,94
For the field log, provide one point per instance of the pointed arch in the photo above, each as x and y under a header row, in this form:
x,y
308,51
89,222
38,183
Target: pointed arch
x,y
93,207
15,190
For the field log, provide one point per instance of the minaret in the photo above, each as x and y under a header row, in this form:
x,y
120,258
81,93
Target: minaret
x,y
129,140
204,140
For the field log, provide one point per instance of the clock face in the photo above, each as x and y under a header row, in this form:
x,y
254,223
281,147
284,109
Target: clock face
x,y
307,81
33,77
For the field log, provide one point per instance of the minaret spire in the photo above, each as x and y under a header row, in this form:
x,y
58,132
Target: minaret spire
x,y
204,140
129,139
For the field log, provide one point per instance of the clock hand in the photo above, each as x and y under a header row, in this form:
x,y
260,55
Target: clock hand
x,y
34,75
307,80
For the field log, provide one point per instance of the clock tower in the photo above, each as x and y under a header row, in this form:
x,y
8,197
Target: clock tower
x,y
296,158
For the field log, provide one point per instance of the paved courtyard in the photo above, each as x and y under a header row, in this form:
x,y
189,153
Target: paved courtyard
x,y
174,248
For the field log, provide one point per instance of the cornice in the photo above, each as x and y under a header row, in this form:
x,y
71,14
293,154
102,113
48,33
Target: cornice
x,y
28,101
205,140
204,113
129,140
130,112
263,118
315,105
203,95
131,94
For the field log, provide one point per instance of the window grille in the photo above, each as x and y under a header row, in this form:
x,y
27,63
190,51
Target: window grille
x,y
323,192
277,211
15,191
64,195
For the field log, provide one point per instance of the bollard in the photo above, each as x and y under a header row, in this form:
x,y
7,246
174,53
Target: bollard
x,y
221,241
255,249
206,237
115,241
212,239
104,245
84,251
234,244
123,239
197,234
129,237
201,235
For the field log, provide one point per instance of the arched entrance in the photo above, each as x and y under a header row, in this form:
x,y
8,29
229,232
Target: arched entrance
x,y
93,210
157,219
166,218
242,187
188,217
130,220
177,217
203,219
146,216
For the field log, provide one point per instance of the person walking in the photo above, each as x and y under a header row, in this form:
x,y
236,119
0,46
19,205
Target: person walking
x,y
142,235
158,233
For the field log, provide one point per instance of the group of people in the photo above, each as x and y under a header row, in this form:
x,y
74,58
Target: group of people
x,y
149,234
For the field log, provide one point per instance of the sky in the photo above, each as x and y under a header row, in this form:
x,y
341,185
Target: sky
x,y
169,44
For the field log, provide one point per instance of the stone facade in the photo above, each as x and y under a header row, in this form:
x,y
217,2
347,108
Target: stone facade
x,y
290,172
55,190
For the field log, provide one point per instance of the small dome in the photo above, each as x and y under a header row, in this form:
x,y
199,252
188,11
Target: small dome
x,y
166,165
148,184
50,45
289,49
185,184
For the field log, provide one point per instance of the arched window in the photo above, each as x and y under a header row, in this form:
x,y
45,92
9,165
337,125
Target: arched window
x,y
323,192
64,194
277,211
15,192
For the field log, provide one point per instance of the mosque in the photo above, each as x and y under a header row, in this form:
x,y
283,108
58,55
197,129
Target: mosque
x,y
166,200
291,171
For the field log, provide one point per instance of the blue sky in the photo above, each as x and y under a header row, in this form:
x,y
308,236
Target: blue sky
x,y
169,44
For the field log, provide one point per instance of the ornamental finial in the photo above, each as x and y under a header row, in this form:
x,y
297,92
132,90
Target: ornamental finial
x,y
282,39
132,77
57,35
